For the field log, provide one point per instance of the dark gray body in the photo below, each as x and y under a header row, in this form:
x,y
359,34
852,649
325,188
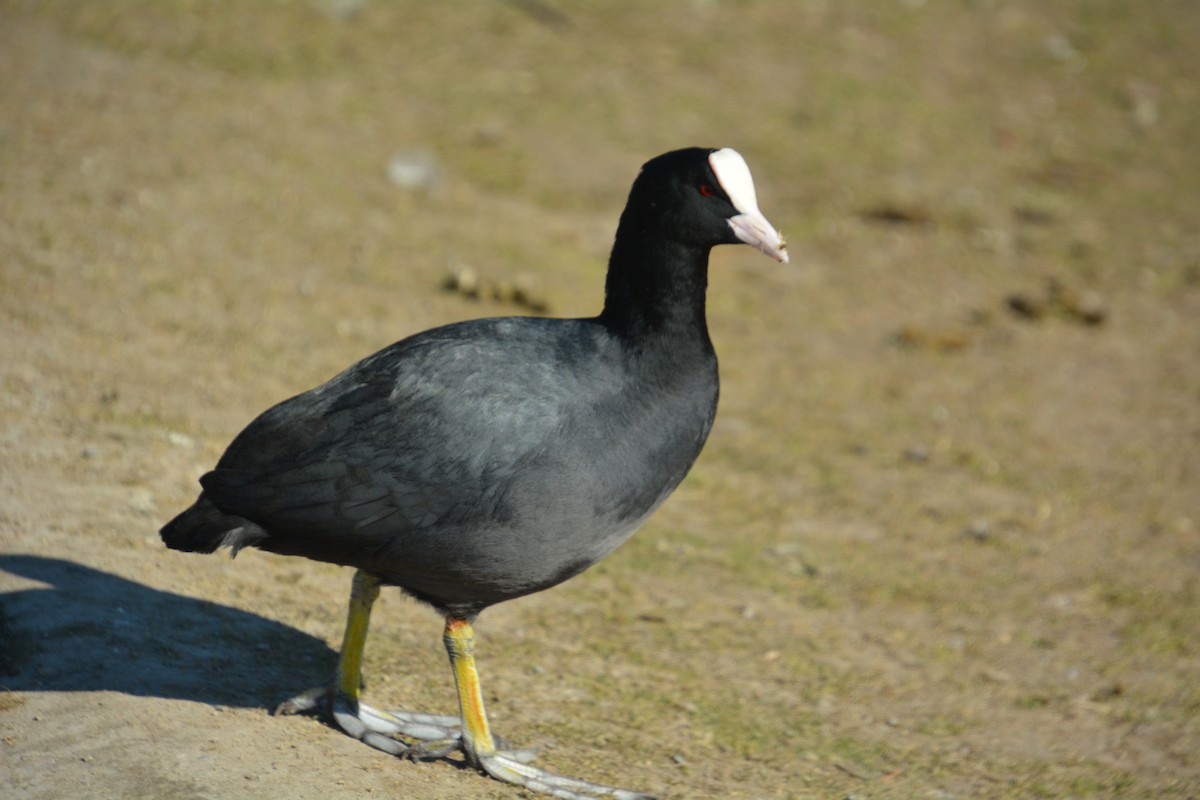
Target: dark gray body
x,y
471,463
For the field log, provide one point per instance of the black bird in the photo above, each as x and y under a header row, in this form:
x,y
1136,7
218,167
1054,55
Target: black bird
x,y
485,460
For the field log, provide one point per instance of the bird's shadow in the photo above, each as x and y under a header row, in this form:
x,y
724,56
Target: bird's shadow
x,y
88,630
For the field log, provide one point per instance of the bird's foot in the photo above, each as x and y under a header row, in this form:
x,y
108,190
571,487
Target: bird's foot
x,y
513,767
431,736
400,733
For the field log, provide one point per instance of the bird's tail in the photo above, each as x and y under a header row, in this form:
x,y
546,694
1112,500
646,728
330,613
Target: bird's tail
x,y
203,528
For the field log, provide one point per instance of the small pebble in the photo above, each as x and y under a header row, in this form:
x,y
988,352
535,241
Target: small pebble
x,y
417,170
1026,305
1080,305
1106,693
142,500
1143,103
519,291
1059,48
918,454
340,10
180,439
979,530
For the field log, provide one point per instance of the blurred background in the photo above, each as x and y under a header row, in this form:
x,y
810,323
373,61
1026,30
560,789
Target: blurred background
x,y
942,543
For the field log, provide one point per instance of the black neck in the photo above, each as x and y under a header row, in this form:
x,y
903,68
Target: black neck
x,y
656,287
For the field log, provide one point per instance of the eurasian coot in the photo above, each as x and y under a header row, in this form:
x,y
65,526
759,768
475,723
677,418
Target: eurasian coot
x,y
485,460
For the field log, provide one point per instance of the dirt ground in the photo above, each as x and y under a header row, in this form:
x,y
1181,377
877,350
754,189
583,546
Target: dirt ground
x,y
943,542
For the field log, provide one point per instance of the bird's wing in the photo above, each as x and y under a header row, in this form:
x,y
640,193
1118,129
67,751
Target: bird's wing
x,y
385,448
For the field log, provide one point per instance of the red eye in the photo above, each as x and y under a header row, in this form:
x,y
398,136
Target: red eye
x,y
707,190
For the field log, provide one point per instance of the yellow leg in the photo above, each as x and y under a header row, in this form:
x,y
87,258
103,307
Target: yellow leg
x,y
480,748
391,731
459,638
349,670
